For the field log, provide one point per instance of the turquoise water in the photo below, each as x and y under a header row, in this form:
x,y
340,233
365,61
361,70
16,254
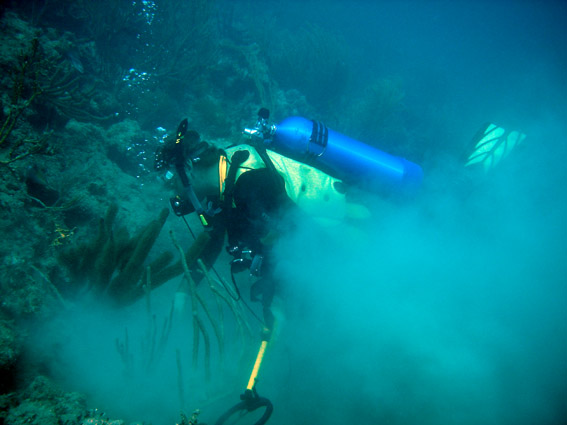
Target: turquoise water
x,y
447,309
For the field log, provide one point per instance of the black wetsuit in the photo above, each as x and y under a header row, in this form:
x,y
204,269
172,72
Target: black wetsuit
x,y
260,202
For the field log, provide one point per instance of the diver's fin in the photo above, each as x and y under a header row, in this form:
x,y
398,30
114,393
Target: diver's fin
x,y
491,144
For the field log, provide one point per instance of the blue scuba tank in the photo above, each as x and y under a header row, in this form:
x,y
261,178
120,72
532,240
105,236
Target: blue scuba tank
x,y
348,159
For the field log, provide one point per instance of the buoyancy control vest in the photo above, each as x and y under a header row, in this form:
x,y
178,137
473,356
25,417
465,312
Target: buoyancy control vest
x,y
316,193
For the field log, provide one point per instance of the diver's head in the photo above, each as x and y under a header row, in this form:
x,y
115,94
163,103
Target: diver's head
x,y
200,182
196,164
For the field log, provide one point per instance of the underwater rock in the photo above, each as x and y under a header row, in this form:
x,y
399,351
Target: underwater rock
x,y
44,403
90,135
130,148
25,291
38,187
9,353
9,348
31,412
14,38
103,421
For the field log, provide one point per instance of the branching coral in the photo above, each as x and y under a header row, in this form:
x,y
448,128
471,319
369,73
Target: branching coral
x,y
153,344
216,322
113,262
25,89
20,100
69,92
42,81
66,88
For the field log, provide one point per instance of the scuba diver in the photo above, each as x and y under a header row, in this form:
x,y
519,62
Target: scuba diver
x,y
244,199
253,194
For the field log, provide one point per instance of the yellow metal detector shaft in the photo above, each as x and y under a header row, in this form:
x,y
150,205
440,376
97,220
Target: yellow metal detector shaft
x,y
257,364
266,335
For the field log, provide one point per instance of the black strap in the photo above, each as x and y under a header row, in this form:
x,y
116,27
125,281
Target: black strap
x,y
319,136
274,175
238,158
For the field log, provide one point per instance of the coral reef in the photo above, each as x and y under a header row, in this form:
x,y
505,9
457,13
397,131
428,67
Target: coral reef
x,y
9,352
24,90
113,262
50,73
44,403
